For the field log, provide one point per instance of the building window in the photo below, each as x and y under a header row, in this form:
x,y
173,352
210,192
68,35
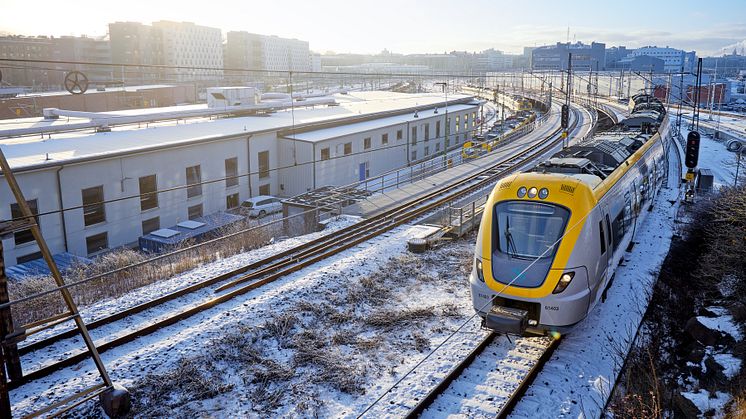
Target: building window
x,y
427,132
466,122
28,258
150,225
264,189
437,129
427,151
437,147
414,135
194,179
93,207
96,243
366,143
195,211
325,153
148,197
399,134
458,123
263,157
231,201
24,236
231,172
348,148
384,139
473,117
414,155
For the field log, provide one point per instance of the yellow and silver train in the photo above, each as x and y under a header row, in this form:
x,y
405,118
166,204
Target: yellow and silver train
x,y
551,238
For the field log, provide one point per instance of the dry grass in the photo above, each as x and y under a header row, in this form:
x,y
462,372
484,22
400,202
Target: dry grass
x,y
122,270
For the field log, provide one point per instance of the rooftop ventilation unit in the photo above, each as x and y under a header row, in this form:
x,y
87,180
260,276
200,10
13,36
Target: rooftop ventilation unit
x,y
221,97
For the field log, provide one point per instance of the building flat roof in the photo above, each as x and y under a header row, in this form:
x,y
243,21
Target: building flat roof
x,y
32,152
359,127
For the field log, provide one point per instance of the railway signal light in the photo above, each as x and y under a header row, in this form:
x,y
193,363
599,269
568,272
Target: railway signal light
x,y
692,149
565,118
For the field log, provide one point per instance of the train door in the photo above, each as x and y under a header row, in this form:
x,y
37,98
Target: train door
x,y
603,241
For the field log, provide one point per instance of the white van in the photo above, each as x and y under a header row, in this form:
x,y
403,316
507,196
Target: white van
x,y
261,205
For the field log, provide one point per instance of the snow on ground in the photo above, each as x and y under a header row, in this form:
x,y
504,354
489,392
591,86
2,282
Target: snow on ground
x,y
319,352
731,365
714,156
724,322
578,379
141,295
704,403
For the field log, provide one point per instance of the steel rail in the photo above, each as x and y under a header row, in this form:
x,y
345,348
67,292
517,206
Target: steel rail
x,y
455,372
519,391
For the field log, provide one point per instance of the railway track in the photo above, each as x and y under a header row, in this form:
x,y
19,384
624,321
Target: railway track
x,y
490,380
247,278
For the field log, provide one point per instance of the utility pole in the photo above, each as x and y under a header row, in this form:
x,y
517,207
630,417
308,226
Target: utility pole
x,y
712,89
681,98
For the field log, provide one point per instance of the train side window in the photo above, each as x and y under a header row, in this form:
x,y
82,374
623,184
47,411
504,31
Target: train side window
x,y
608,228
618,229
603,237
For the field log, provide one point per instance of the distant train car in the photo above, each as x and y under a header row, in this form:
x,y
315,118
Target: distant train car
x,y
551,238
473,149
523,104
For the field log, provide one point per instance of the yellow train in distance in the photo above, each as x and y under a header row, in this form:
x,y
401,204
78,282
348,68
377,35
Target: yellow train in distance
x,y
473,149
551,238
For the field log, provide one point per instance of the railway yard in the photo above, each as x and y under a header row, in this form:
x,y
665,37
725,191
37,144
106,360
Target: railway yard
x,y
349,321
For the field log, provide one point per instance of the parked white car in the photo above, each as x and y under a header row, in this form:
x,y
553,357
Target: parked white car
x,y
261,205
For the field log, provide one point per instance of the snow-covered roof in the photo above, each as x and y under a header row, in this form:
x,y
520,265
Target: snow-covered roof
x,y
64,147
360,127
92,90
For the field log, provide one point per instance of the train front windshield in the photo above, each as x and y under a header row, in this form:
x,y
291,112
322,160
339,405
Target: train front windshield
x,y
528,229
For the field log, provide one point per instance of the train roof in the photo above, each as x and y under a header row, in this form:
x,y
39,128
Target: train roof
x,y
594,160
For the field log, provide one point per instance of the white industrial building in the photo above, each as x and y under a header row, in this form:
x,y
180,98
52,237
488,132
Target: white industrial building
x,y
674,59
246,50
185,44
284,152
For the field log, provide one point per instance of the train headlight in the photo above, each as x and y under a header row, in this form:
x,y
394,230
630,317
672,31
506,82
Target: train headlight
x,y
480,274
521,192
543,193
564,281
532,192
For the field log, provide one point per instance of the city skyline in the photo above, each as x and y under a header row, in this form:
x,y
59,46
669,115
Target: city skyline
x,y
418,28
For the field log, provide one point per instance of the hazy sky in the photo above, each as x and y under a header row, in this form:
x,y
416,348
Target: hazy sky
x,y
410,26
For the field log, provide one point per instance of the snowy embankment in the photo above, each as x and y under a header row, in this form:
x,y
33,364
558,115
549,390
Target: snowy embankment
x,y
578,379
